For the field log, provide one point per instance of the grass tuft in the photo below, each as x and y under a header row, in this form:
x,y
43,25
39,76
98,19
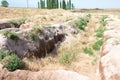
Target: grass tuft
x,y
34,36
88,51
102,20
99,32
96,46
10,34
82,22
67,58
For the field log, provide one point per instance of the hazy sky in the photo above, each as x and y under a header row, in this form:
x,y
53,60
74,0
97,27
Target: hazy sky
x,y
77,3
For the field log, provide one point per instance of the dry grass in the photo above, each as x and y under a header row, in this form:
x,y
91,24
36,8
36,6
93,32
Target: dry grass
x,y
37,16
24,12
48,63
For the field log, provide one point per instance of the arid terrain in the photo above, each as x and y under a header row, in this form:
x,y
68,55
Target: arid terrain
x,y
81,48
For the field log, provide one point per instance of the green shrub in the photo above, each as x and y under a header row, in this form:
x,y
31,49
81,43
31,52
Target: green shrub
x,y
97,44
82,22
11,62
34,36
103,23
88,51
9,34
102,20
4,54
99,32
36,29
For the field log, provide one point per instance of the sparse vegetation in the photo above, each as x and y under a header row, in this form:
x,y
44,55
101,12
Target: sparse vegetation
x,y
82,22
67,58
37,28
10,34
102,21
22,20
68,53
88,51
88,16
97,44
18,21
33,36
99,32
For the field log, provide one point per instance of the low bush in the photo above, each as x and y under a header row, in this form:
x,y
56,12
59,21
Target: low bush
x,y
4,54
88,51
10,60
10,34
82,23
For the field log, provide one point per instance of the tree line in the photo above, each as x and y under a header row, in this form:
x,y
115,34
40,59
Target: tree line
x,y
48,4
55,4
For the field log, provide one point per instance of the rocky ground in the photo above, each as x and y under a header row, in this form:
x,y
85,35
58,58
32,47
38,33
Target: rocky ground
x,y
60,46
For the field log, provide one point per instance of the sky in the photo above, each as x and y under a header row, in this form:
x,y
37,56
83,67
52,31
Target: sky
x,y
78,3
